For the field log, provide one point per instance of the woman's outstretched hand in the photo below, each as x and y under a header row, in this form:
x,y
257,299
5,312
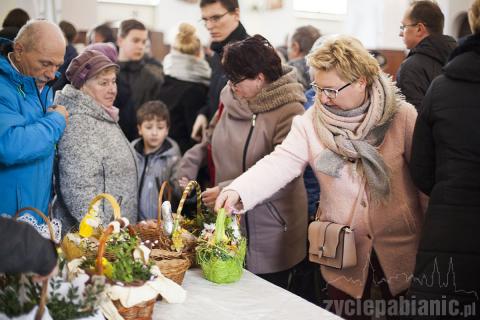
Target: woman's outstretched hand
x,y
230,200
209,196
183,181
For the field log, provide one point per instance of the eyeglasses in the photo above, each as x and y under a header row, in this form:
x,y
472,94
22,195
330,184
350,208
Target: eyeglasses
x,y
235,81
213,19
330,93
403,26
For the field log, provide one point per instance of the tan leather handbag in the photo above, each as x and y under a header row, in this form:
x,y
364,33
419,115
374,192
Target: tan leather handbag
x,y
333,244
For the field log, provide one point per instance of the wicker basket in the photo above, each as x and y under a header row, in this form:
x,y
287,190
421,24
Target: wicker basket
x,y
70,248
43,294
172,264
166,241
216,268
140,311
151,230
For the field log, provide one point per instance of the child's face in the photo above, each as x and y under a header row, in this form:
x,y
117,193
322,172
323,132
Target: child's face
x,y
132,47
153,132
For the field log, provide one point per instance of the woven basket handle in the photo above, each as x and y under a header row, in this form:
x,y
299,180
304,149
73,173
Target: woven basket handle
x,y
192,184
111,199
102,244
165,185
43,293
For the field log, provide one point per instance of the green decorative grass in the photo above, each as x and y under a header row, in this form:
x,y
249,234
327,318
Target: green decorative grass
x,y
220,266
222,256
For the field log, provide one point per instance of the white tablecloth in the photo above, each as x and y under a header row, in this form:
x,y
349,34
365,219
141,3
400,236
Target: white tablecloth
x,y
251,298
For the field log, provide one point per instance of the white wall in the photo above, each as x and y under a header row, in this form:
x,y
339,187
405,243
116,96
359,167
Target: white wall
x,y
451,10
364,20
82,14
46,9
170,13
6,6
374,22
117,12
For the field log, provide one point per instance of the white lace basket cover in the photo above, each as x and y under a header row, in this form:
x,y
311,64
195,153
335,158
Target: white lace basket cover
x,y
42,228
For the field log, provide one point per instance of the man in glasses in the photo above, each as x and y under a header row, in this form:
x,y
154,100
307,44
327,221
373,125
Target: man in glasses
x,y
422,32
222,20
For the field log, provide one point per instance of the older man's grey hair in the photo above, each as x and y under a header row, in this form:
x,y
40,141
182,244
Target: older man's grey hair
x,y
32,32
305,36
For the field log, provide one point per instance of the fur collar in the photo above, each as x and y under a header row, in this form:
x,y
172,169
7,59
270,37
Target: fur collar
x,y
78,102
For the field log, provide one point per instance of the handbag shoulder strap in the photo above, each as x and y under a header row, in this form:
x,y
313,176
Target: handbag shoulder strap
x,y
331,239
355,205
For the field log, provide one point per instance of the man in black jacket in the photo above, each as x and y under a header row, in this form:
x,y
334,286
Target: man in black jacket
x,y
23,249
422,32
445,165
222,20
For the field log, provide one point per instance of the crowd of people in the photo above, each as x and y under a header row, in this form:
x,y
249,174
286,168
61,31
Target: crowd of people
x,y
317,133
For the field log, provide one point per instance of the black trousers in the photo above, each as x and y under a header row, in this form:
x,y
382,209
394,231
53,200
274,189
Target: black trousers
x,y
280,279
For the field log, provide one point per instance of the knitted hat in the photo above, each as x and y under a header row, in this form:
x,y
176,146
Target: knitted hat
x,y
107,48
86,65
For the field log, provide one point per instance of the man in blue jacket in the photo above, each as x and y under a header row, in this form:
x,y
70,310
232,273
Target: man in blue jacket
x,y
29,129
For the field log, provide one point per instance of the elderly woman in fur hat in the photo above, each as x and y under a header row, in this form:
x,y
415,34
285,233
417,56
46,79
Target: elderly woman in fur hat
x,y
94,155
357,138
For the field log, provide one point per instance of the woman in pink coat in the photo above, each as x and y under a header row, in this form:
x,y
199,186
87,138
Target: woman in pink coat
x,y
358,139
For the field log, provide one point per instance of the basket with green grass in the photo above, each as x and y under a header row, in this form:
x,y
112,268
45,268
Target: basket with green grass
x,y
221,250
130,267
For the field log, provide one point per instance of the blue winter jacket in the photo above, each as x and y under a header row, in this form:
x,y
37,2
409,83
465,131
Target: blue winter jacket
x,y
46,97
28,135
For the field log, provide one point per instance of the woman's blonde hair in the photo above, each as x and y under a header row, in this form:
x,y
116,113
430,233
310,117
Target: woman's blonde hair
x,y
186,40
347,56
474,17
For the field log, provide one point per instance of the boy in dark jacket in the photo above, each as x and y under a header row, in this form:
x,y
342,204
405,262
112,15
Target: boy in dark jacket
x,y
157,155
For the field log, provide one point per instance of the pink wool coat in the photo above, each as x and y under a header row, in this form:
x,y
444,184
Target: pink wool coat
x,y
392,230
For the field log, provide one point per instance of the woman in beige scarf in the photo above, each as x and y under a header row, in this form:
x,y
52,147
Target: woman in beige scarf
x,y
357,138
